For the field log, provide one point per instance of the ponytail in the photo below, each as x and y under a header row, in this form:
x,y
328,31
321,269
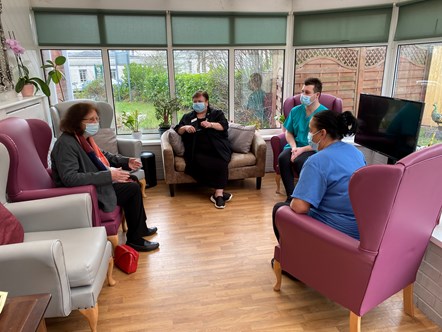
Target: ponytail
x,y
337,125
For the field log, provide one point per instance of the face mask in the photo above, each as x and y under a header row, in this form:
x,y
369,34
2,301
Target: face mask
x,y
306,100
91,128
199,107
312,144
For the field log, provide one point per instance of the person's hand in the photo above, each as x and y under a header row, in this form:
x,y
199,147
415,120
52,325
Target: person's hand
x,y
134,163
206,124
295,153
190,129
118,175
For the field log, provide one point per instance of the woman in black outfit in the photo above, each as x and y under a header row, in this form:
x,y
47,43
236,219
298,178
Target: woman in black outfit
x,y
207,148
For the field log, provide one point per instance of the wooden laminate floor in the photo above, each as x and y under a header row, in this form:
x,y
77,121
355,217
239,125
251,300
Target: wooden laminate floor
x,y
212,273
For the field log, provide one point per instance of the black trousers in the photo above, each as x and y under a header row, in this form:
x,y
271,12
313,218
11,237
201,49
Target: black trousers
x,y
275,208
289,169
129,198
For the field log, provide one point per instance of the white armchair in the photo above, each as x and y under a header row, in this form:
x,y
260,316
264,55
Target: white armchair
x,y
62,253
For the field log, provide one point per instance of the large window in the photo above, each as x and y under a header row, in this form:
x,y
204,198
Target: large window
x,y
258,86
83,73
419,77
202,70
344,71
139,77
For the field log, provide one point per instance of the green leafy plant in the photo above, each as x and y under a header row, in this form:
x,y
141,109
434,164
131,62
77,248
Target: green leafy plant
x,y
55,74
280,118
164,110
131,120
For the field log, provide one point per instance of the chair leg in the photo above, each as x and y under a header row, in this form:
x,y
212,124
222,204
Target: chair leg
x,y
143,187
172,190
408,300
355,322
278,183
113,240
278,273
123,223
258,183
91,315
110,269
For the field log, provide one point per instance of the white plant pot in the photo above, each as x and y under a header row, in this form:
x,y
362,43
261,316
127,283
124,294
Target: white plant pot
x,y
137,134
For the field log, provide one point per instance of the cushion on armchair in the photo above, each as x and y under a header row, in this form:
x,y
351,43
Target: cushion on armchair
x,y
241,137
176,142
11,231
106,139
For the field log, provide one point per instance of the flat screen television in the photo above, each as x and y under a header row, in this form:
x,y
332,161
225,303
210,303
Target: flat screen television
x,y
389,126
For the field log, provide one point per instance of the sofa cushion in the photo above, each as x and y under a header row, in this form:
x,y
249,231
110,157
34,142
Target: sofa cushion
x,y
11,231
238,160
176,142
106,139
241,137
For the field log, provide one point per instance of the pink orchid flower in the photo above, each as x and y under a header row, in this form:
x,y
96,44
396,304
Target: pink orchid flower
x,y
15,46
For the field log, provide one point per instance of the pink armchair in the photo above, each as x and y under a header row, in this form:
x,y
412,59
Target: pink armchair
x,y
28,142
278,141
396,207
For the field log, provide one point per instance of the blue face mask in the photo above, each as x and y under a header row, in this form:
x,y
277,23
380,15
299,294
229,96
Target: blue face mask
x,y
312,144
306,100
199,107
91,128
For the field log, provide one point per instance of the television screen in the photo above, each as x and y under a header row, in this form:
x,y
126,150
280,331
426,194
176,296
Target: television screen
x,y
389,125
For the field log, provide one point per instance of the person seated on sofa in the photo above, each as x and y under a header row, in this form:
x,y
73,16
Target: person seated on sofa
x,y
77,161
207,148
322,189
297,150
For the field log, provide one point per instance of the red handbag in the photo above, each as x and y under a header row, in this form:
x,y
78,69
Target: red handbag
x,y
126,258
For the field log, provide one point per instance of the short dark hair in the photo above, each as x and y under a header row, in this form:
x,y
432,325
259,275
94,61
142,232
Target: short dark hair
x,y
316,82
200,93
71,122
336,124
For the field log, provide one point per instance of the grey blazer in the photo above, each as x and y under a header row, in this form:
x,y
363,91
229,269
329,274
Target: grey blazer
x,y
71,167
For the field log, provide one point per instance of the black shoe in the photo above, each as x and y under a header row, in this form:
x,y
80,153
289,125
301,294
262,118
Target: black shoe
x,y
146,246
150,231
227,196
219,201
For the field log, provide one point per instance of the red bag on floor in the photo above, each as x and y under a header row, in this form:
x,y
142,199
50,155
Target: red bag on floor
x,y
126,258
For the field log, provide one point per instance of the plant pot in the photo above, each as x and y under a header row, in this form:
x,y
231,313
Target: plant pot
x,y
162,130
28,90
137,134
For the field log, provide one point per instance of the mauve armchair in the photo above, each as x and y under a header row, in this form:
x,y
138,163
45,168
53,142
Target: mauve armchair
x,y
28,142
396,207
278,142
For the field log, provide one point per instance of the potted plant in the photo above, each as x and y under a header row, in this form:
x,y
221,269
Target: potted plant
x,y
131,120
55,74
164,109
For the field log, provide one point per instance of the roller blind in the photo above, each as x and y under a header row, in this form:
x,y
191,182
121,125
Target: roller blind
x,y
419,20
100,29
223,30
347,27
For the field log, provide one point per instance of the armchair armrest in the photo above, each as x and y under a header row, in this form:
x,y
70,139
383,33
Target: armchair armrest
x,y
57,213
259,148
43,261
168,159
277,143
129,147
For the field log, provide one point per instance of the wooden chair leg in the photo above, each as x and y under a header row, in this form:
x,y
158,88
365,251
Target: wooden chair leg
x,y
408,300
143,187
278,183
91,315
113,240
258,183
172,190
110,269
355,322
278,273
123,223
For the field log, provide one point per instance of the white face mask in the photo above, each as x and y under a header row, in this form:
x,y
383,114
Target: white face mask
x,y
312,144
91,128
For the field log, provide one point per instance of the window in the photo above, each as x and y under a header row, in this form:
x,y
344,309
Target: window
x,y
258,86
345,72
140,77
202,70
83,72
419,77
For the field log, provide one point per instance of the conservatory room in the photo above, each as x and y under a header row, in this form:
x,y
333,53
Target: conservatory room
x,y
149,177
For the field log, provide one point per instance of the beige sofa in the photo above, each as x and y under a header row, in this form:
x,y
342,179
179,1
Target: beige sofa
x,y
242,165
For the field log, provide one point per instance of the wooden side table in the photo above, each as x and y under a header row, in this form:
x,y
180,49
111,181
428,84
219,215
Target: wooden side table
x,y
24,313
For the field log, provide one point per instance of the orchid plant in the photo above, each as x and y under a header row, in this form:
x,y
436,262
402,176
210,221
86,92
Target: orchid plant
x,y
23,71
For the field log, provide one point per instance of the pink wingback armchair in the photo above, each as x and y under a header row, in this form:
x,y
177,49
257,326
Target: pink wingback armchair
x,y
396,207
278,141
28,142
